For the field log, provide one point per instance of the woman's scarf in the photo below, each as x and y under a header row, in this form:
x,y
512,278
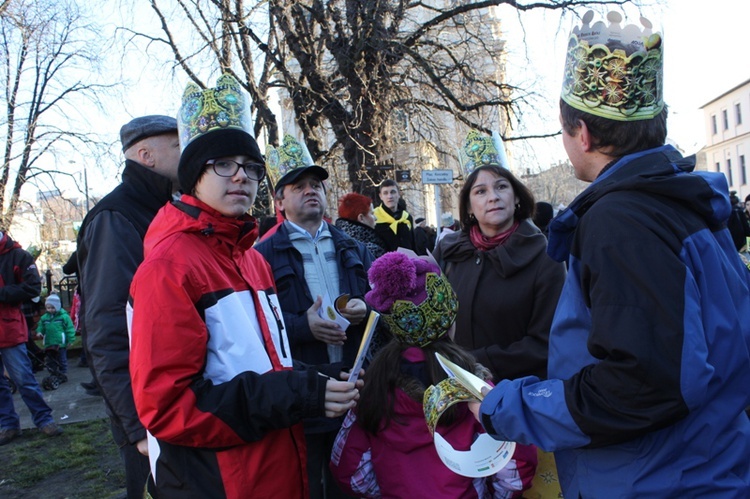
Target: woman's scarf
x,y
382,216
484,243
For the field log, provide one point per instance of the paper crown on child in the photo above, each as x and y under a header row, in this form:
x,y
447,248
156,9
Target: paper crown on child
x,y
290,160
614,72
416,302
480,150
213,123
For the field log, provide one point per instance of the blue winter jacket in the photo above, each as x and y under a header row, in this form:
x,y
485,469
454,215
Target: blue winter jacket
x,y
649,363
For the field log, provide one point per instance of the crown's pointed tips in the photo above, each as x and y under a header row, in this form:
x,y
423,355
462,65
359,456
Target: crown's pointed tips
x,y
588,16
614,17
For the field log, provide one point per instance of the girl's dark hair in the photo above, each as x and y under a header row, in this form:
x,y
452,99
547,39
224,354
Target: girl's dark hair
x,y
525,197
618,138
375,409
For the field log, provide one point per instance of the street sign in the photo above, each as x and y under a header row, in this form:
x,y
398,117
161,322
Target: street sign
x,y
403,175
437,176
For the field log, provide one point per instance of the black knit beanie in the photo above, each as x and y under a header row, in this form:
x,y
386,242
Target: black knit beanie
x,y
215,144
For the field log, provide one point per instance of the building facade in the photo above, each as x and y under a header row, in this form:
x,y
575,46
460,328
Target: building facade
x,y
727,126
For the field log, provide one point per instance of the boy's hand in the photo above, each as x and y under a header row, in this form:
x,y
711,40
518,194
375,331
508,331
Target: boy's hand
x,y
340,397
355,311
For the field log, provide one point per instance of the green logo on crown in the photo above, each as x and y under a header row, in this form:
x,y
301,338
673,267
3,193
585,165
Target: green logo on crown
x,y
482,150
291,154
422,324
223,107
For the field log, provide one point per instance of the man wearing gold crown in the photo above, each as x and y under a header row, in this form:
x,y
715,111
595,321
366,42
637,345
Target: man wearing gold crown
x,y
210,360
649,358
310,258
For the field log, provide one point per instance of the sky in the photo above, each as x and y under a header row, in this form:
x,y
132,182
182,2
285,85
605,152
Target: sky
x,y
700,38
700,41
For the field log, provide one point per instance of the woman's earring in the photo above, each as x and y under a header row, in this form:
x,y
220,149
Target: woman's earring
x,y
472,217
518,206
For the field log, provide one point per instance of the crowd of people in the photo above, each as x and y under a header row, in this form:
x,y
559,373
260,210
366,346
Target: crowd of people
x,y
614,338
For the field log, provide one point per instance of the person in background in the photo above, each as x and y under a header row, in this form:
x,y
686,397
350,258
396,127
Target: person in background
x,y
357,219
210,359
19,282
543,215
738,224
393,223
448,225
113,231
57,330
384,448
649,356
506,284
424,237
310,258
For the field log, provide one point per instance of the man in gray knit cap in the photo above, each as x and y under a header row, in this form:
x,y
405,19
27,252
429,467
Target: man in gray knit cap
x,y
110,248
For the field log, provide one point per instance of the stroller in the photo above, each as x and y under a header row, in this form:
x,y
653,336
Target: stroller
x,y
54,366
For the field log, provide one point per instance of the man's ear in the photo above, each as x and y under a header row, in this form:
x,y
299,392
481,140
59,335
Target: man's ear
x,y
585,138
144,156
278,205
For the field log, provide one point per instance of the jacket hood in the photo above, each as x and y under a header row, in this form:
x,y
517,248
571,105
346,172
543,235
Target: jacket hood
x,y
662,172
6,243
190,215
521,248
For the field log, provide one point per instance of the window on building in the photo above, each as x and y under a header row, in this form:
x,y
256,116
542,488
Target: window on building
x,y
713,124
743,171
725,117
729,173
718,167
738,113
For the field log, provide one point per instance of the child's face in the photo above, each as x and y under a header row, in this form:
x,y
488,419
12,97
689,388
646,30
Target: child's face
x,y
50,308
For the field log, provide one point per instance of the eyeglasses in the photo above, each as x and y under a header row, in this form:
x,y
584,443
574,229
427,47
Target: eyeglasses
x,y
229,168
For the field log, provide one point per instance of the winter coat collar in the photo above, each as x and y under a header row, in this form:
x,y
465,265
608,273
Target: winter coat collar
x,y
661,171
238,233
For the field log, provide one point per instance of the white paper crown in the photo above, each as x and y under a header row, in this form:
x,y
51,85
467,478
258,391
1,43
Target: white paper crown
x,y
614,72
481,150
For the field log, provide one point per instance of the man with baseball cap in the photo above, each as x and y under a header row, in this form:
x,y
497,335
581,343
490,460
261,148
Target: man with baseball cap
x,y
110,248
310,257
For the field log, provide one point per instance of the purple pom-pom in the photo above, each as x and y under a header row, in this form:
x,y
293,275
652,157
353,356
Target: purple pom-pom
x,y
396,276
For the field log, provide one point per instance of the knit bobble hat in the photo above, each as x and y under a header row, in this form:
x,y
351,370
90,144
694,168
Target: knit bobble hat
x,y
415,301
215,144
53,300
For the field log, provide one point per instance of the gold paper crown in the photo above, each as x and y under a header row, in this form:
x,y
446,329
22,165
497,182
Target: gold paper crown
x,y
225,107
481,150
614,72
422,324
290,155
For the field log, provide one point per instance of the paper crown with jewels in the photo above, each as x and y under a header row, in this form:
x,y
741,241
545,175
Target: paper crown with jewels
x,y
416,302
482,150
224,107
288,161
614,72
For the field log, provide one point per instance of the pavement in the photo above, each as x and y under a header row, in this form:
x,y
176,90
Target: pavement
x,y
70,403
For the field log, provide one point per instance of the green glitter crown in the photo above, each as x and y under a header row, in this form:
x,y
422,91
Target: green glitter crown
x,y
227,106
290,155
422,324
614,72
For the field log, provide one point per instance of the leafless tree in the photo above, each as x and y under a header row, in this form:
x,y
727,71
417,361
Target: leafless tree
x,y
48,65
362,77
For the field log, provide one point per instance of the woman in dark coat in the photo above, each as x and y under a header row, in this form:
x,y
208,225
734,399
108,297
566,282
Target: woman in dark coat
x,y
506,284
